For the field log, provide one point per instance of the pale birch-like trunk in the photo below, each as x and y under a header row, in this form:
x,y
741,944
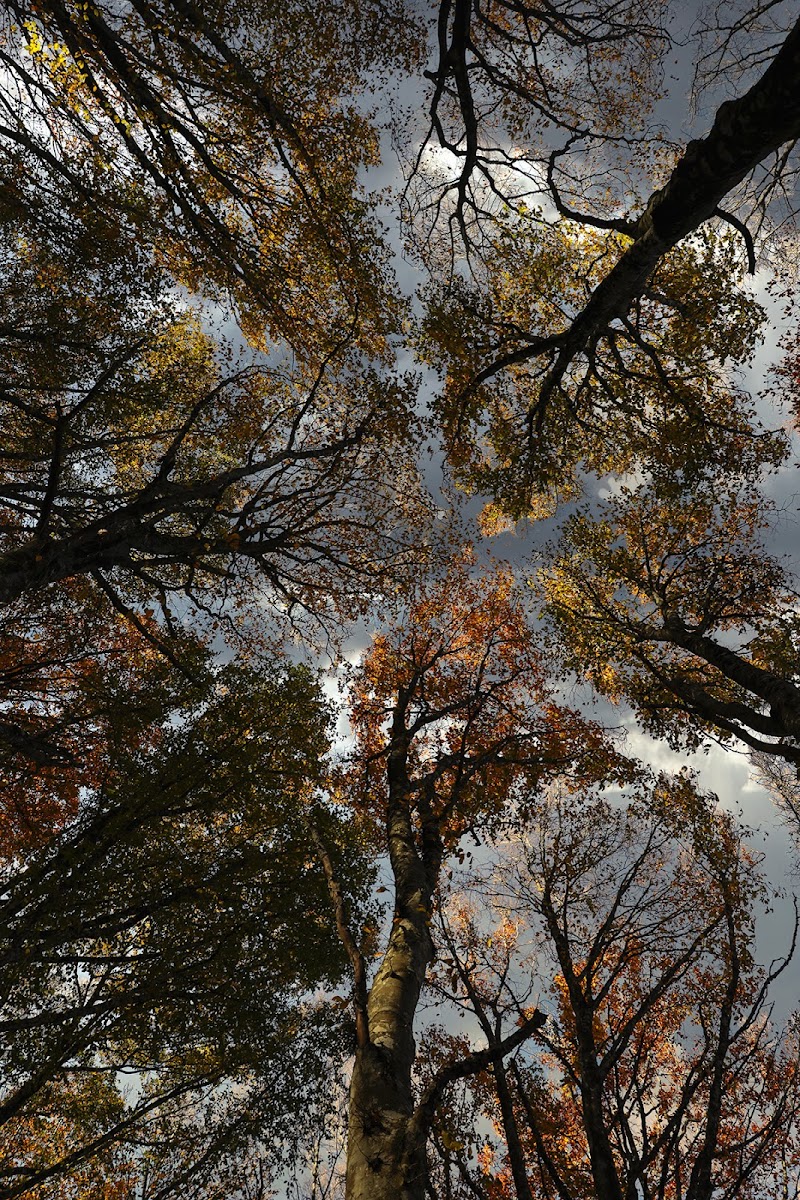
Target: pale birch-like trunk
x,y
386,1155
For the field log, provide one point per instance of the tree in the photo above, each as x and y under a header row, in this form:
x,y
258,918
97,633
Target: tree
x,y
148,485
137,454
658,1071
209,443
452,716
157,939
140,467
240,141
667,597
654,397
544,346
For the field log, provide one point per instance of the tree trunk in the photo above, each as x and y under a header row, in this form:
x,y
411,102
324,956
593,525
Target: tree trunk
x,y
381,1164
781,695
745,132
384,1159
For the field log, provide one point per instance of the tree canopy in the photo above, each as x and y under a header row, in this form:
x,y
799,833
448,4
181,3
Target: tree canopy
x,y
301,306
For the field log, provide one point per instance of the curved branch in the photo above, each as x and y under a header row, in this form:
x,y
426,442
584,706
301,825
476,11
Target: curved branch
x,y
479,1060
746,235
345,935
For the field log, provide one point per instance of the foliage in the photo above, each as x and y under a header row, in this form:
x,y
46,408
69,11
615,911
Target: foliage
x,y
650,394
212,447
143,451
666,597
658,1067
602,332
237,126
173,933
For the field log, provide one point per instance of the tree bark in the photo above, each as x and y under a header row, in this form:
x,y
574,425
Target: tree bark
x,y
384,1159
781,695
744,133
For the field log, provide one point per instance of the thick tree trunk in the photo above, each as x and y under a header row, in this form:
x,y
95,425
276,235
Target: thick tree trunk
x,y
781,695
745,132
381,1164
384,1158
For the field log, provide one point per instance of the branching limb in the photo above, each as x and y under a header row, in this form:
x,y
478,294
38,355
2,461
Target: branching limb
x,y
473,1064
341,915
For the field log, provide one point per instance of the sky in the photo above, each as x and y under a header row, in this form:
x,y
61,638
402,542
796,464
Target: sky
x,y
725,771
